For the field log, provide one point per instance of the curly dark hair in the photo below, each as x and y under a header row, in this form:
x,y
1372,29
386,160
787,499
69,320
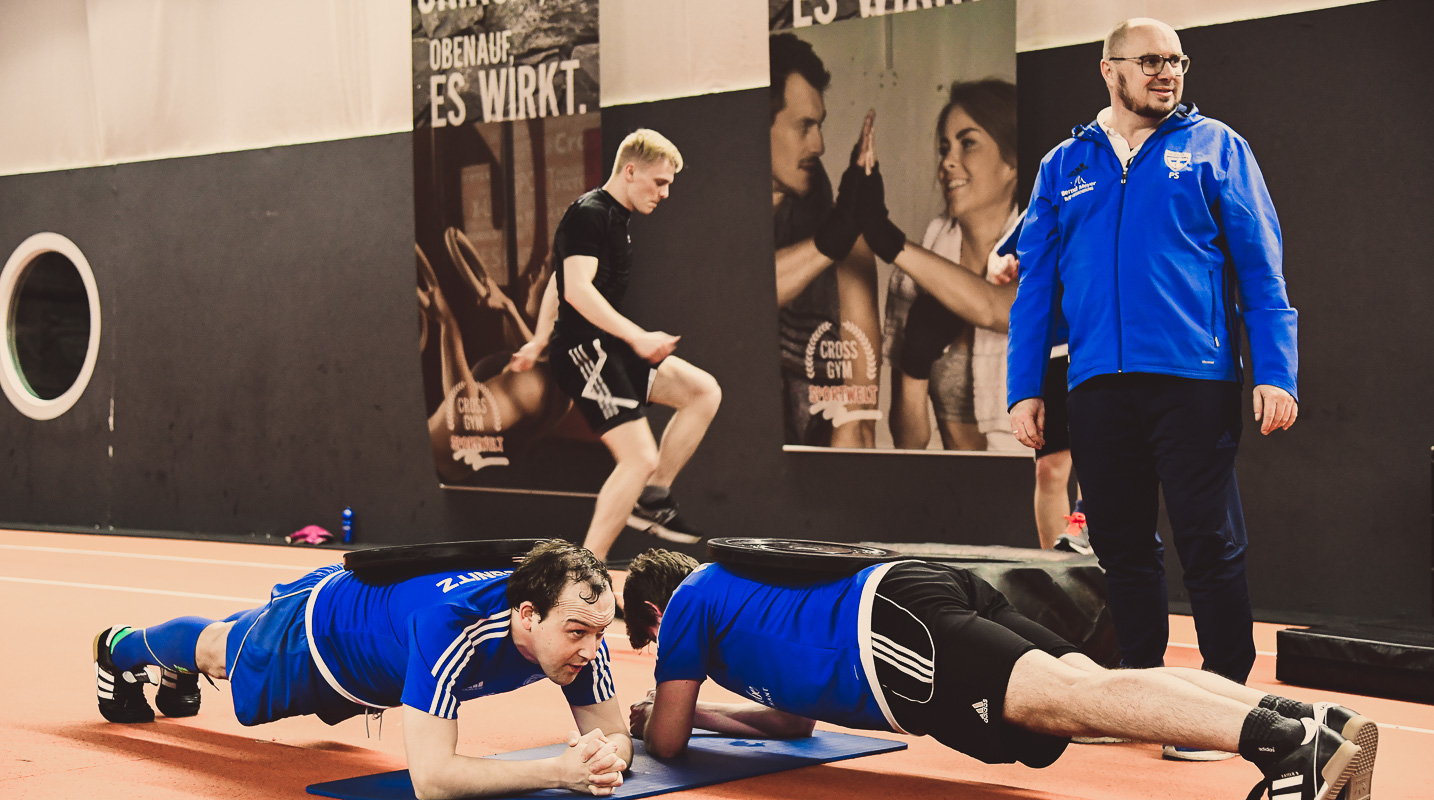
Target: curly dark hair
x,y
792,55
548,569
651,578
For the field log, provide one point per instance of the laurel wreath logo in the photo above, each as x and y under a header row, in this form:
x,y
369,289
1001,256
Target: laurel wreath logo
x,y
867,351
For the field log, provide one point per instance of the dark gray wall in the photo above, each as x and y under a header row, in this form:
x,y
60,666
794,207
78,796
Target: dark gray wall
x,y
260,333
256,342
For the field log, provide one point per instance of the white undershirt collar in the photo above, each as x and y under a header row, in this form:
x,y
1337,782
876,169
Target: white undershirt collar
x,y
1123,150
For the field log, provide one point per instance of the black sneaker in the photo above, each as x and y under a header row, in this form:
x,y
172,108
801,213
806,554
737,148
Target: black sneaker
x,y
1318,769
178,694
1073,544
121,694
661,520
1363,732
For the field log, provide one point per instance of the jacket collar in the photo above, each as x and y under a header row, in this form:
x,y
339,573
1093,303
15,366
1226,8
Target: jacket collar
x,y
1184,115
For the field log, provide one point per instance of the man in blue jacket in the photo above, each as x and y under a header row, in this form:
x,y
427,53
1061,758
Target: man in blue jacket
x,y
1155,225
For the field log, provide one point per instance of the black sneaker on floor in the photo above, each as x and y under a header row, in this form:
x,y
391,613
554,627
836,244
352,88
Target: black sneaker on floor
x,y
1319,769
121,694
1073,544
661,520
178,694
1360,730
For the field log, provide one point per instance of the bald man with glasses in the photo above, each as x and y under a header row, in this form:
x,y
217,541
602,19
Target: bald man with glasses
x,y
1153,230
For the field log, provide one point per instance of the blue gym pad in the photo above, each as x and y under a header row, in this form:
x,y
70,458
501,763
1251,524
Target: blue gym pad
x,y
709,759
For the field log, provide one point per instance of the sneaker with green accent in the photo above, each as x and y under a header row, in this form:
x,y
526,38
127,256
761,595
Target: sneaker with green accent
x,y
178,694
120,692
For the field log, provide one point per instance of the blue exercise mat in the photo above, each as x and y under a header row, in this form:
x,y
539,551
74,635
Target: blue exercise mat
x,y
709,759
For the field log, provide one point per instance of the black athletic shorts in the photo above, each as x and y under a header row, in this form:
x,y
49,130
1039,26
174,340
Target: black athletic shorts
x,y
606,379
944,643
1058,421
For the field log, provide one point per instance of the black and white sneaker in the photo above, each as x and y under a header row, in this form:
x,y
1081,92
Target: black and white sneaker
x,y
1073,544
1319,769
178,694
661,520
121,693
1360,730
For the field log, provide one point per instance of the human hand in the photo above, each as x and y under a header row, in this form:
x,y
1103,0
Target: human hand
x,y
640,712
866,146
1028,422
526,356
882,236
1000,269
590,764
653,346
1275,408
838,232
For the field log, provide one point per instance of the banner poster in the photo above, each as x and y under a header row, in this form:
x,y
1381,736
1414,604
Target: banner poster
x,y
506,133
875,354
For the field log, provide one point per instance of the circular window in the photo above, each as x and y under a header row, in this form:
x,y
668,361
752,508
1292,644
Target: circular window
x,y
50,313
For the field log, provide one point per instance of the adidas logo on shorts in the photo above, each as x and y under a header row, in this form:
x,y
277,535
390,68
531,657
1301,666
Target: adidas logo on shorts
x,y
981,708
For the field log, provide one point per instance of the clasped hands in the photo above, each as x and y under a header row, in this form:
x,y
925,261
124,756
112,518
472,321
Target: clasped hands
x,y
591,764
860,207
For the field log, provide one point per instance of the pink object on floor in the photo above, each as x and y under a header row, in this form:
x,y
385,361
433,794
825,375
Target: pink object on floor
x,y
309,534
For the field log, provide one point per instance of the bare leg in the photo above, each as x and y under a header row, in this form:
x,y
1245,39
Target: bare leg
x,y
635,452
1150,705
209,650
860,323
910,417
961,435
1209,681
696,396
1053,504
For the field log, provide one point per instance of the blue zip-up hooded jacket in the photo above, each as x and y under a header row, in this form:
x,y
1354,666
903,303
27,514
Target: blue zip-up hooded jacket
x,y
1151,259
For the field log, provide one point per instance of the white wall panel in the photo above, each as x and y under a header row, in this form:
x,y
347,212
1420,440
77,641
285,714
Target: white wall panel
x,y
660,49
47,96
89,82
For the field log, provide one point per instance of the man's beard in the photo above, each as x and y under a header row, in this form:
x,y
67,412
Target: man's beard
x,y
1148,110
807,169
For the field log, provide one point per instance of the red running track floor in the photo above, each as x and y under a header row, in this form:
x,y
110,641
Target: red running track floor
x,y
58,590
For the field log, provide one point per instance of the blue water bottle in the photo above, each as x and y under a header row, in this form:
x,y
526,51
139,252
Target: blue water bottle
x,y
348,525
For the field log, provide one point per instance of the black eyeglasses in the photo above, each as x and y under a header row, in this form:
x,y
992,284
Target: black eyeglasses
x,y
1153,64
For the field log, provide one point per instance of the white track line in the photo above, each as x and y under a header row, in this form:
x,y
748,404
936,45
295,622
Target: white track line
x,y
1403,728
149,556
136,590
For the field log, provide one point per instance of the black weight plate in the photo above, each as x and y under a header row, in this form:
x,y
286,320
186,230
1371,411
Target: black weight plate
x,y
797,555
392,564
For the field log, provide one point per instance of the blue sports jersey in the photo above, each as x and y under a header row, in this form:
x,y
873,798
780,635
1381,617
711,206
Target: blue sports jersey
x,y
429,642
803,649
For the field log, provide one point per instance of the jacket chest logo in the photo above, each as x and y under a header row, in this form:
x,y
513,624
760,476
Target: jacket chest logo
x,y
1177,162
1078,187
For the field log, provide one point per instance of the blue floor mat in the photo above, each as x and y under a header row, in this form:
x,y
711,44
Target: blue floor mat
x,y
709,759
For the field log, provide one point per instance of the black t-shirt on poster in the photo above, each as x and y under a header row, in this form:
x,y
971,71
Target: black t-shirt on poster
x,y
594,225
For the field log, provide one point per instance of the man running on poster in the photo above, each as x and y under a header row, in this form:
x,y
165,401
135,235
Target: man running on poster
x,y
610,366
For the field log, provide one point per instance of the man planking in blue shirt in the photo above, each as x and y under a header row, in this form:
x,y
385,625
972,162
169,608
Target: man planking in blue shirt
x,y
332,645
930,649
